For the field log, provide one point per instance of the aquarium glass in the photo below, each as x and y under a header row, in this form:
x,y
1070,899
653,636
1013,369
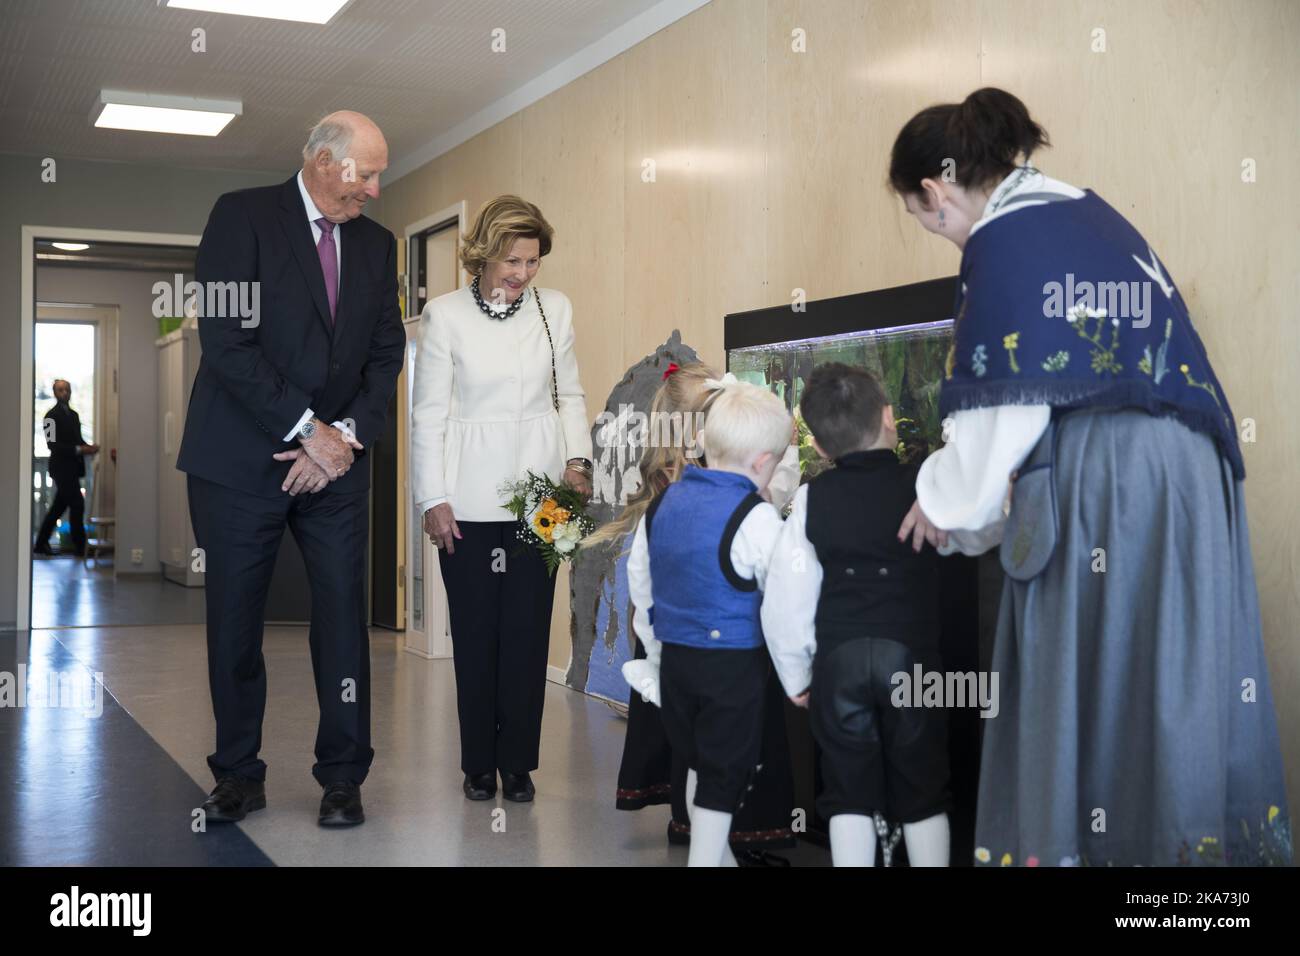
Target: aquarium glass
x,y
908,360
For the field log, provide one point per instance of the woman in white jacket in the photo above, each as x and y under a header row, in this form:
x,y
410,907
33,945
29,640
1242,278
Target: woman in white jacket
x,y
496,394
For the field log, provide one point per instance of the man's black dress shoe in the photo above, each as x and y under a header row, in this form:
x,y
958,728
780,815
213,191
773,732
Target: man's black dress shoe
x,y
234,798
341,805
481,786
517,786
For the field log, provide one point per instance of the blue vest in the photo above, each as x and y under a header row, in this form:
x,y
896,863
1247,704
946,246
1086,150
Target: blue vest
x,y
699,599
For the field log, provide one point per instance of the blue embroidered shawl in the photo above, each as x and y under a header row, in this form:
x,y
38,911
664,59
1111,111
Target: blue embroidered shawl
x,y
1065,304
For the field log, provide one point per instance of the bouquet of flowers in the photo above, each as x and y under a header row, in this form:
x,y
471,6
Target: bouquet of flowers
x,y
552,518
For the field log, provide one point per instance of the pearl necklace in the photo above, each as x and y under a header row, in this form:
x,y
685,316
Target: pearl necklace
x,y
488,310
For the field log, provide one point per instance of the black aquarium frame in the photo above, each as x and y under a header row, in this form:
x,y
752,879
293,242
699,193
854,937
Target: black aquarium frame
x,y
970,587
929,301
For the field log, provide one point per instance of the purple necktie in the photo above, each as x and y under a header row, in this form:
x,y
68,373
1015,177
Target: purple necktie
x,y
329,263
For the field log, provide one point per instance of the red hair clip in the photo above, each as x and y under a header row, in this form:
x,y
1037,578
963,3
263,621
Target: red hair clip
x,y
672,367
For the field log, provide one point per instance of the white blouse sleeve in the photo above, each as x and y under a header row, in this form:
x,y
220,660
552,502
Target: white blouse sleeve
x,y
640,592
794,581
573,402
431,391
785,480
962,487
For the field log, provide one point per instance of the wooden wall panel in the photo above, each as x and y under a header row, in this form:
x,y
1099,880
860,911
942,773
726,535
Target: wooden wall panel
x,y
832,114
695,236
572,167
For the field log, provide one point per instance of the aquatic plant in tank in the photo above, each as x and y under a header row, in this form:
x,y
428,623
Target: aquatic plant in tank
x,y
908,360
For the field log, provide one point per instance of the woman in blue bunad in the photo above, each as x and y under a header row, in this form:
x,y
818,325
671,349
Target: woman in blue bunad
x,y
1135,721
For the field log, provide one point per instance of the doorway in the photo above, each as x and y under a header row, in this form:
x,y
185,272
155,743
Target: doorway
x,y
432,268
98,322
75,347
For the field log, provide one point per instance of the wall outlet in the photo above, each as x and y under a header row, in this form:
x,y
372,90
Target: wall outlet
x,y
137,555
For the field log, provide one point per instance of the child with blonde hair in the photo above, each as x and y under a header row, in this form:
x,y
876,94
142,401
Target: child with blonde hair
x,y
649,772
695,572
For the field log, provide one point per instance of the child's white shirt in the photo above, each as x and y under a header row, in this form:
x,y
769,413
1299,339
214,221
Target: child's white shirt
x,y
792,590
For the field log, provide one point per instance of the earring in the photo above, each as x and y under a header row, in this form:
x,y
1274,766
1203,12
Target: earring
x,y
942,224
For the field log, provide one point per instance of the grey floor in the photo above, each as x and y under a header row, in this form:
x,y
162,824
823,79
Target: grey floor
x,y
66,593
416,813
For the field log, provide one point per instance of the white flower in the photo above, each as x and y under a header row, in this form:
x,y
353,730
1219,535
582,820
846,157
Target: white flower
x,y
566,537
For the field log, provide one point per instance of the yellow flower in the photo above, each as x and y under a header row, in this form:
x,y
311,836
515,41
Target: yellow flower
x,y
1272,813
1011,341
1183,369
982,854
1006,859
558,515
548,516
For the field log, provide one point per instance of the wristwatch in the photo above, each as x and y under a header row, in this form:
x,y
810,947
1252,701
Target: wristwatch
x,y
308,429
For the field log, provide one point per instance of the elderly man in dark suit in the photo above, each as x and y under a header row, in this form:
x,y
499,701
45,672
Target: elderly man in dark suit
x,y
289,394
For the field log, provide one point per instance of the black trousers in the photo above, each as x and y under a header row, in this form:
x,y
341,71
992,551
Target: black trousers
x,y
240,535
876,754
713,716
67,497
500,597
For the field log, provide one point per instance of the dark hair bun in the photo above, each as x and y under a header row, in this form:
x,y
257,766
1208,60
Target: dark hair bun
x,y
984,136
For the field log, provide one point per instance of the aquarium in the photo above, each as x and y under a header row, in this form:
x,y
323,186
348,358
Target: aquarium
x,y
901,335
907,360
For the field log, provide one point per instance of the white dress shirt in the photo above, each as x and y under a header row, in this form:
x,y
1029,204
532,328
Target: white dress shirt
x,y
316,232
794,585
481,409
785,480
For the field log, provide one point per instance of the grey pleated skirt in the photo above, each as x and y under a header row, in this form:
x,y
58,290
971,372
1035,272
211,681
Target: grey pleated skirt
x,y
1135,725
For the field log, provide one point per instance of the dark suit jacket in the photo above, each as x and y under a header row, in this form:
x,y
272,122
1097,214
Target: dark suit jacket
x,y
66,463
253,384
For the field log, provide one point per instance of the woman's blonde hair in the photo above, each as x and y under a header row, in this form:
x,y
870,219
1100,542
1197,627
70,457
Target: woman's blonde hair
x,y
682,393
497,225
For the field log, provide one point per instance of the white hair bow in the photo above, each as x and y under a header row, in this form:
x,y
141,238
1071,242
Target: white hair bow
x,y
714,383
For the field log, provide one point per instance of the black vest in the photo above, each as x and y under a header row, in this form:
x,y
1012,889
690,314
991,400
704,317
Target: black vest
x,y
873,585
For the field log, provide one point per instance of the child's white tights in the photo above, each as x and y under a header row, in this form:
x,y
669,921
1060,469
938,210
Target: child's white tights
x,y
710,831
853,840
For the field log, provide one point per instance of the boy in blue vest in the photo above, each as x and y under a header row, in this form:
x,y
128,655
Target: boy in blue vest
x,y
695,575
847,607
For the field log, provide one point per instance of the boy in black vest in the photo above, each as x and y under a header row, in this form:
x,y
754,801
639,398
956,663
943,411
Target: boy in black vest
x,y
848,607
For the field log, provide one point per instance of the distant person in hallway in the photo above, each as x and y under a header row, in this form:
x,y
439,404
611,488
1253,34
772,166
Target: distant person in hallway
x,y
496,394
67,467
306,382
